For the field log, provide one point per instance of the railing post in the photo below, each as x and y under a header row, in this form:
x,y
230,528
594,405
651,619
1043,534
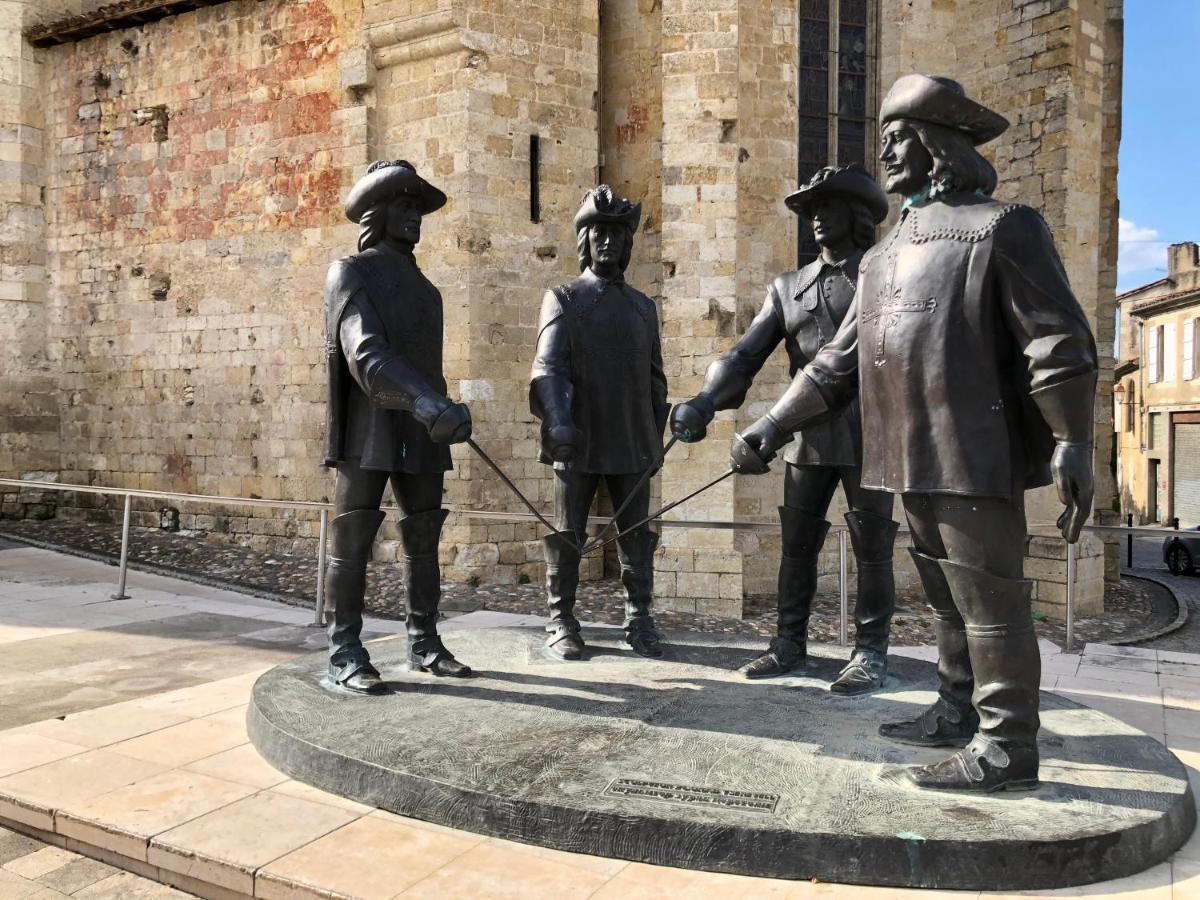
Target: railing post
x,y
1070,597
1129,542
319,621
120,594
843,592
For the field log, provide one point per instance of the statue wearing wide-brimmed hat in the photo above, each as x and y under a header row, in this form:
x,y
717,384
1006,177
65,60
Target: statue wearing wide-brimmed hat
x,y
388,419
599,390
803,310
976,370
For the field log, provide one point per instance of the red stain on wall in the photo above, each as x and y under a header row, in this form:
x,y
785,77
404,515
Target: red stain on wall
x,y
636,118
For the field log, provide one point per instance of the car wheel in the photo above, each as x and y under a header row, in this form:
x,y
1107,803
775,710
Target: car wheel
x,y
1179,561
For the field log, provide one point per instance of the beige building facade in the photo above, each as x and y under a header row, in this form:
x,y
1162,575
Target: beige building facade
x,y
170,187
1156,395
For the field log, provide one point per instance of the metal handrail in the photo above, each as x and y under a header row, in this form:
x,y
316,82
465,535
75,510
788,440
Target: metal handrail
x,y
323,508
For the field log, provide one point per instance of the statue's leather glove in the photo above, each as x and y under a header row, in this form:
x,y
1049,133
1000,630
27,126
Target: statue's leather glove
x,y
559,442
446,422
754,448
1067,408
1071,467
690,420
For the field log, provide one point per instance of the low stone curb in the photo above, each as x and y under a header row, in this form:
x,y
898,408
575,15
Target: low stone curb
x,y
1181,613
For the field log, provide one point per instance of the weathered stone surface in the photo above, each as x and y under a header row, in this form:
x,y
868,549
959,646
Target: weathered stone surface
x,y
684,762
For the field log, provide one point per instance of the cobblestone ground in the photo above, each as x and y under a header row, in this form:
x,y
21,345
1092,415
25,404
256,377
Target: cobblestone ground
x,y
1148,563
1132,607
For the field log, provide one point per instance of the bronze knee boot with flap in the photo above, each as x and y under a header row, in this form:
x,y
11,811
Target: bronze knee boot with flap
x,y
803,536
951,721
345,588
1003,755
420,534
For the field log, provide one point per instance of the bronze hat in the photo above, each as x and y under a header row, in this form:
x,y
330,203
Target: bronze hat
x,y
942,101
601,204
851,182
387,179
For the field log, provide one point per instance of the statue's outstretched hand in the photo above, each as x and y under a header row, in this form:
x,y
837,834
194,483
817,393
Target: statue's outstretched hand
x,y
690,420
1071,467
452,426
754,448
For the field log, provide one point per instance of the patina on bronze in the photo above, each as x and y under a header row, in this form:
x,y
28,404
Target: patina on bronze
x,y
599,390
388,419
976,369
802,311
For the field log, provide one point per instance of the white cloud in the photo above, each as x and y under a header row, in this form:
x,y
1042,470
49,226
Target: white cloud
x,y
1139,250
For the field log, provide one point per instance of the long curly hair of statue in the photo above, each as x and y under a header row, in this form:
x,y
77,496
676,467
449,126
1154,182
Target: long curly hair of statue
x,y
373,224
585,250
862,225
957,166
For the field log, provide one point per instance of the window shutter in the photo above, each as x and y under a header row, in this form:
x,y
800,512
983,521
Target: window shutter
x,y
1189,348
1152,356
1168,352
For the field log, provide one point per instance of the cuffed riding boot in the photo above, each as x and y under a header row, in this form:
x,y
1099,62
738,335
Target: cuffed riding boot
x,y
562,580
803,537
951,721
1007,666
345,587
419,535
636,552
872,537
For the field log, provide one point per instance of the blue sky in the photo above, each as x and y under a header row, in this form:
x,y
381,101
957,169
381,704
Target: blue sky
x,y
1159,177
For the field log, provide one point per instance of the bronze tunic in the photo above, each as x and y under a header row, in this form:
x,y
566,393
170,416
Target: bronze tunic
x,y
962,314
396,311
603,337
803,309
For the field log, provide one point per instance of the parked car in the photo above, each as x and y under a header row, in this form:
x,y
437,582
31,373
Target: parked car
x,y
1180,551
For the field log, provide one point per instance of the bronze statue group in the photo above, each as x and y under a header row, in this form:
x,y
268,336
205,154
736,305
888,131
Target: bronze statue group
x,y
950,364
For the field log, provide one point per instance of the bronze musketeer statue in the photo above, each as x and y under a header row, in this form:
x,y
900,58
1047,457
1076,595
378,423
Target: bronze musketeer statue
x,y
599,390
976,370
388,419
802,311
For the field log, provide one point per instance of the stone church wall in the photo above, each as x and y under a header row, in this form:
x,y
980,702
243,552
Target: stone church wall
x,y
170,197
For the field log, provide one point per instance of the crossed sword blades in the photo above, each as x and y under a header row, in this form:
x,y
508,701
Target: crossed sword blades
x,y
600,541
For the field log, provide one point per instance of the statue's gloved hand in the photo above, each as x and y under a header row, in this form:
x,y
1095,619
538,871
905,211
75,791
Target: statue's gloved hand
x,y
690,420
755,447
559,442
447,423
1071,467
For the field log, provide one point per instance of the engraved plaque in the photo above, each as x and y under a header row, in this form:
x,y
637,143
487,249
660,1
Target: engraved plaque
x,y
691,795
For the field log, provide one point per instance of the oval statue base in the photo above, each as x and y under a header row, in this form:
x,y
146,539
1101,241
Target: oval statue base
x,y
683,762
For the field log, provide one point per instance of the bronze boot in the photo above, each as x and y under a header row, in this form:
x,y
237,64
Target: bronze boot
x,y
345,588
872,537
636,552
803,536
1003,756
951,721
419,535
562,581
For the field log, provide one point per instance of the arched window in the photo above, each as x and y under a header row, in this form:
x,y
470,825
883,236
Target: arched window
x,y
838,52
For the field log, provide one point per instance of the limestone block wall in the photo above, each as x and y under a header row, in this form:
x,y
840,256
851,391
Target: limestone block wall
x,y
170,197
28,385
465,90
195,169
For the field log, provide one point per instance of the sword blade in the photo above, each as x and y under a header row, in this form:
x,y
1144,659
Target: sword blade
x,y
666,509
599,538
512,487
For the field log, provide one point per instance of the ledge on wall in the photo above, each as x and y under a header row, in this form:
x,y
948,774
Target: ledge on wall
x,y
124,14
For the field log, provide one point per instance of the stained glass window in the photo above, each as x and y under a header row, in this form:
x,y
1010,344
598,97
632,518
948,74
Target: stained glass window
x,y
837,91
